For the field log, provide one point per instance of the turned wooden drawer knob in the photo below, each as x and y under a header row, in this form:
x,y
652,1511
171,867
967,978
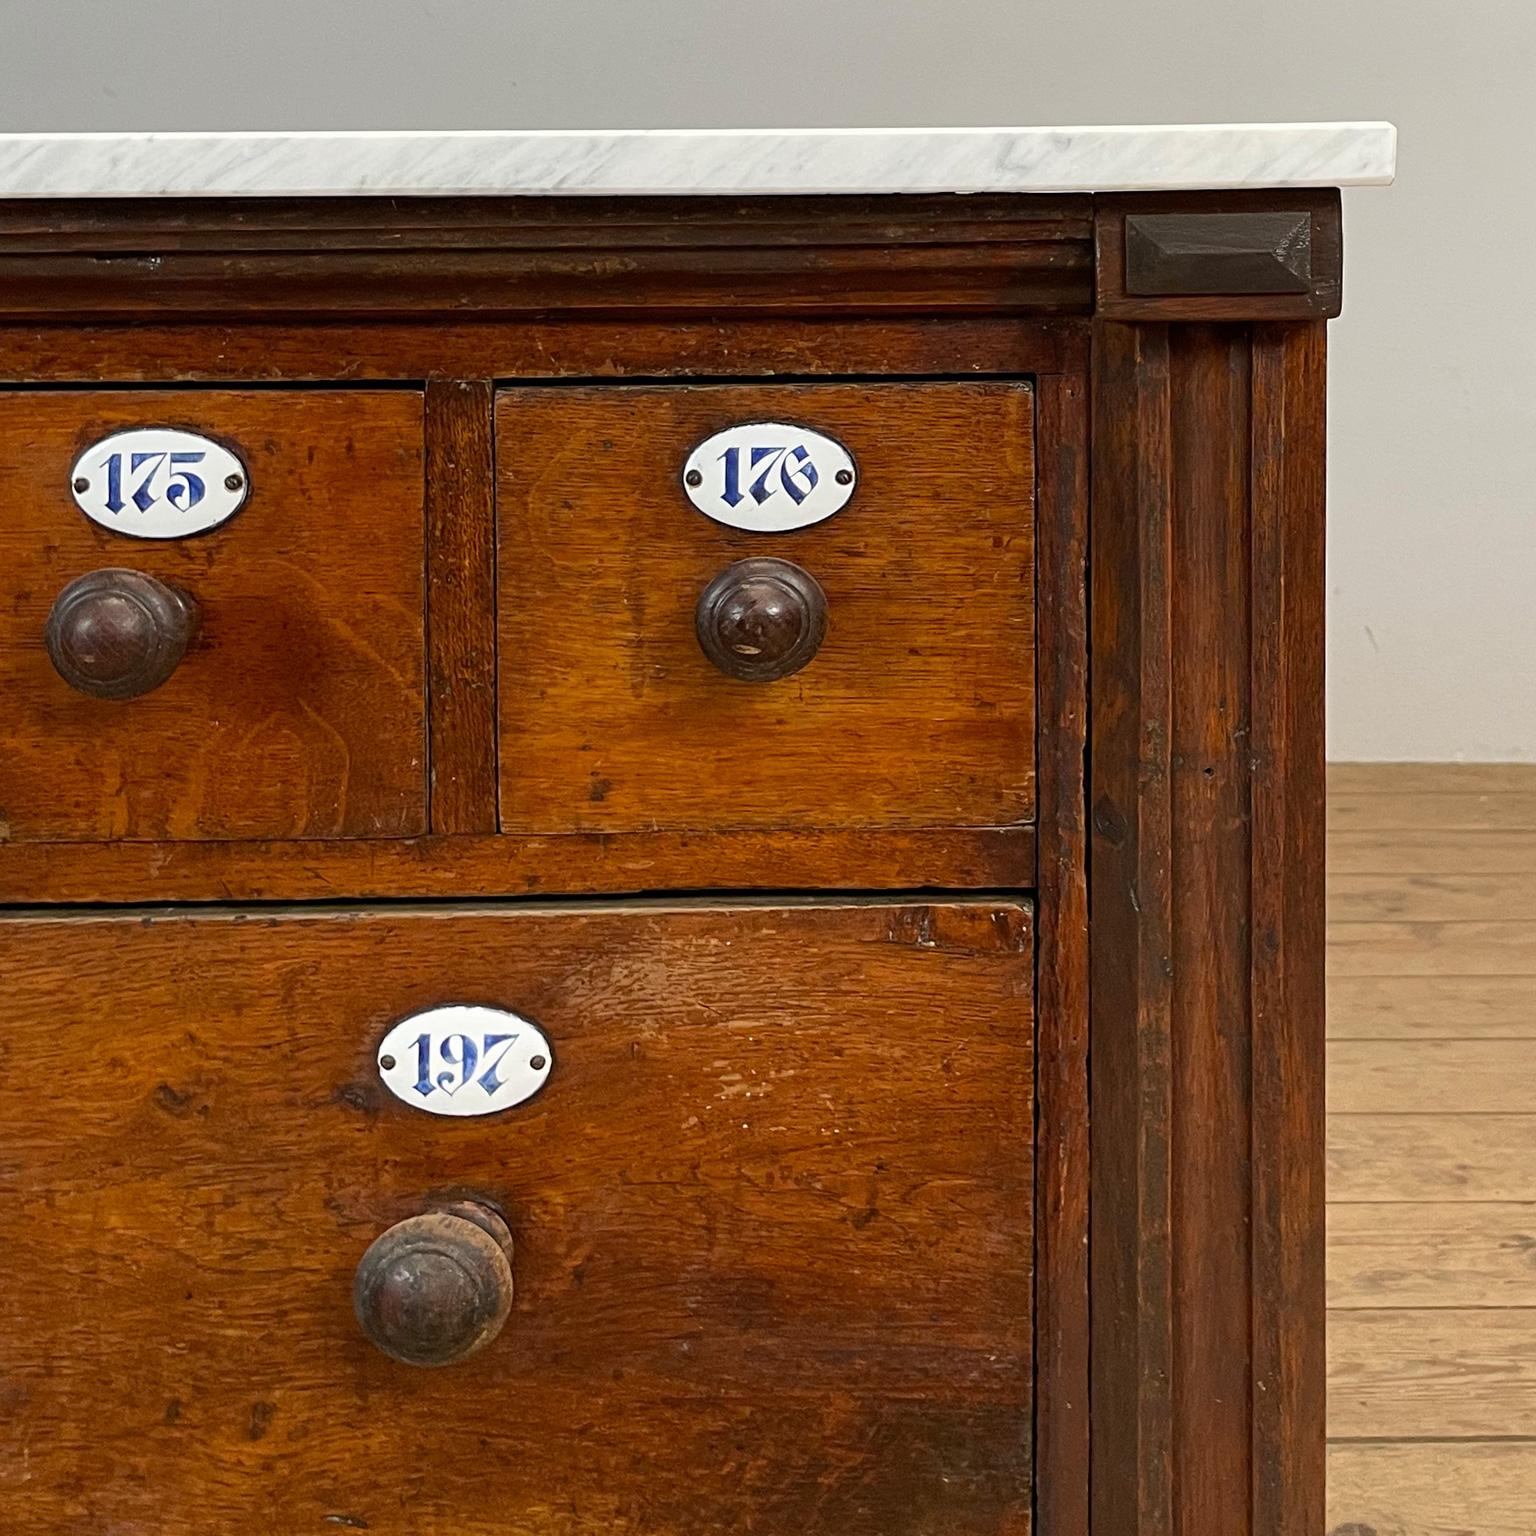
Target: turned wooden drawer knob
x,y
115,634
435,1288
761,619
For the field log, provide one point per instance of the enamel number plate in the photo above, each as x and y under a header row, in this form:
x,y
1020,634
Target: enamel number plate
x,y
158,483
464,1059
769,477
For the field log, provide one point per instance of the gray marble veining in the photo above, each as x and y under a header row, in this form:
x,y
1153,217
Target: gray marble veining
x,y
782,161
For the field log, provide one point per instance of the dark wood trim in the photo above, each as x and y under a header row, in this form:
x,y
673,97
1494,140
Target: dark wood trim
x,y
1212,253
461,605
235,264
1287,928
987,858
1213,249
224,259
318,224
532,350
1061,1008
1206,859
1130,1091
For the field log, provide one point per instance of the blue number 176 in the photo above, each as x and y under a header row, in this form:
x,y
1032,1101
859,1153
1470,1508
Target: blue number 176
x,y
797,474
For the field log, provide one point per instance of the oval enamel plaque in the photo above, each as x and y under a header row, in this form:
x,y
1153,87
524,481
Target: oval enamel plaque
x,y
464,1059
769,477
158,483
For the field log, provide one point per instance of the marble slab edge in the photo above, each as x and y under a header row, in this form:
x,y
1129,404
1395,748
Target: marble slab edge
x,y
673,162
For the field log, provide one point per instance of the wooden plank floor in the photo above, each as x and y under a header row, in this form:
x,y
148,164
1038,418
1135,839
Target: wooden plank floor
x,y
1432,1150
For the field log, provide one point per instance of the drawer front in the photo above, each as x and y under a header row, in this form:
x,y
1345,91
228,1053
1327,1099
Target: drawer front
x,y
770,1214
297,709
916,711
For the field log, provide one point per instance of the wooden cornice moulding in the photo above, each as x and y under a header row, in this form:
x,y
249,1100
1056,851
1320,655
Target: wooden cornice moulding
x,y
1235,255
490,257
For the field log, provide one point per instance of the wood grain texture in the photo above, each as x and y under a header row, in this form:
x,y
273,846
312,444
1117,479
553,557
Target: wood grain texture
x,y
1432,1254
1130,1007
1432,1151
582,863
1432,949
1285,961
536,223
1206,788
343,257
204,224
461,605
918,709
1432,1489
1061,1001
1321,297
1446,1007
772,1223
1440,898
1431,851
1409,1157
1408,811
1432,1374
537,348
299,710
1425,1077
1430,778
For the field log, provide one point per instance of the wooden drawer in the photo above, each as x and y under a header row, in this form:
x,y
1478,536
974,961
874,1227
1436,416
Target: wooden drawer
x,y
918,709
298,710
771,1215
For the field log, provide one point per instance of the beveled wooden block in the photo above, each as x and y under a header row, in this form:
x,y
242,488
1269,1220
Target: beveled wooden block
x,y
1260,252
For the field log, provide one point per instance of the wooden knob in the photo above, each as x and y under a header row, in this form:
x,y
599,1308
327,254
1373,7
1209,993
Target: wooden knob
x,y
435,1288
761,619
115,634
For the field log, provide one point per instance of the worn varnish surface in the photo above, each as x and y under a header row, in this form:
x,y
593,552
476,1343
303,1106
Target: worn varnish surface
x,y
772,1217
918,709
536,348
299,709
1061,998
1432,1150
461,605
826,1320
1206,789
578,863
407,257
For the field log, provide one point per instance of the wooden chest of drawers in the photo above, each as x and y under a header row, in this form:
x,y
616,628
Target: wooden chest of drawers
x,y
777,878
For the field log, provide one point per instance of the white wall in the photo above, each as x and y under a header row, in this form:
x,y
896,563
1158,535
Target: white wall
x,y
1433,558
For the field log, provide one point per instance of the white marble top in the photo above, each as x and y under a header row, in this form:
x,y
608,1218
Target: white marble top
x,y
673,161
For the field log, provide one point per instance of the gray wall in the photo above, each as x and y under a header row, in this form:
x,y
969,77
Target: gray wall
x,y
1434,383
